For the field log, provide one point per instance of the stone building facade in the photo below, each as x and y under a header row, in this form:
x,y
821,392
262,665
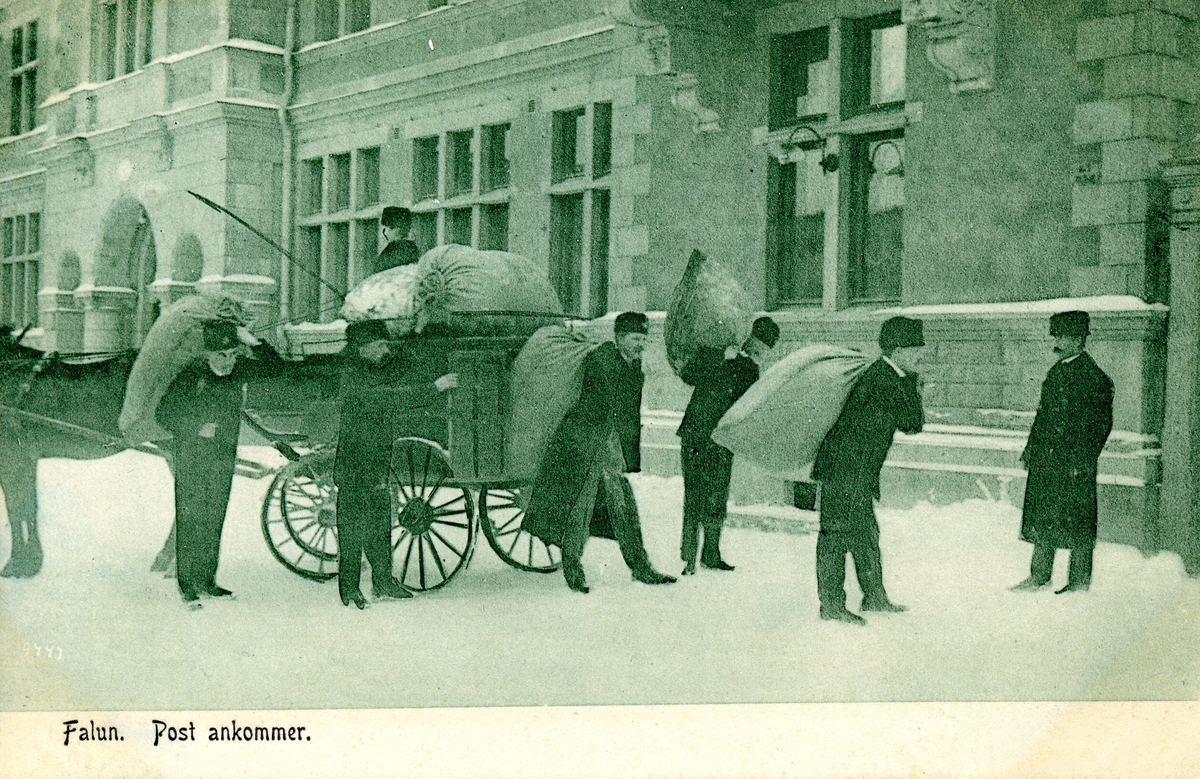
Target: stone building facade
x,y
979,164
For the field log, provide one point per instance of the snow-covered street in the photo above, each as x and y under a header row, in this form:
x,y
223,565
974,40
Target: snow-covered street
x,y
120,637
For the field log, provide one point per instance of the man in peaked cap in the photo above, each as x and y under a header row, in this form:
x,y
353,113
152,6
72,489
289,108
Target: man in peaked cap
x,y
580,489
707,466
373,396
886,398
400,250
202,409
1074,418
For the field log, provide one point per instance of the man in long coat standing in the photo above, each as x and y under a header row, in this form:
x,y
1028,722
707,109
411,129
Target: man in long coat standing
x,y
202,409
885,398
580,488
1073,420
372,397
708,466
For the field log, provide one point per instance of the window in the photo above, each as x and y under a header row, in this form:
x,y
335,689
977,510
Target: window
x,y
581,156
19,255
126,34
836,185
466,200
799,76
335,18
338,230
23,108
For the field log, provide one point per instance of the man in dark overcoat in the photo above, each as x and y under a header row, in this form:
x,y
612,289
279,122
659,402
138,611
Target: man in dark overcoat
x,y
580,488
372,398
202,409
396,222
708,466
885,398
1073,420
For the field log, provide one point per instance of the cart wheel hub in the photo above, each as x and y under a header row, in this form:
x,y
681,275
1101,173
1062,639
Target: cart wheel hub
x,y
416,516
327,516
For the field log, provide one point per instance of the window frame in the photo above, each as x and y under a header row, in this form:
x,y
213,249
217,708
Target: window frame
x,y
20,310
849,122
125,32
23,87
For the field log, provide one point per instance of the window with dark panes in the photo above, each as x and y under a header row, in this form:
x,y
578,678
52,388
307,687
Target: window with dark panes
x,y
598,277
338,234
494,162
877,213
358,15
425,230
327,19
566,161
566,249
458,226
425,168
493,227
23,79
461,162
875,70
368,177
799,79
601,139
126,36
19,260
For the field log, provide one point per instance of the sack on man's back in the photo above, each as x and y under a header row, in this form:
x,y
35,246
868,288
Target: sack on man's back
x,y
708,308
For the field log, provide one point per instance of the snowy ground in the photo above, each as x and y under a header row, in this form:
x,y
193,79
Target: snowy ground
x,y
495,636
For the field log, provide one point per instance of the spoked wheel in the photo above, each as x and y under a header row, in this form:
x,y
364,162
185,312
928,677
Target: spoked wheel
x,y
299,517
501,511
433,522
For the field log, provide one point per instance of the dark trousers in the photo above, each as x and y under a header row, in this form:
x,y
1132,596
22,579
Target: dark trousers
x,y
203,480
707,469
612,513
848,525
1041,567
364,521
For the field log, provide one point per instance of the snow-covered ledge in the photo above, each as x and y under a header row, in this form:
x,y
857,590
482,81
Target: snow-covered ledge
x,y
307,338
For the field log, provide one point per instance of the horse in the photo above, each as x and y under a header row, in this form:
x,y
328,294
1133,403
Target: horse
x,y
67,406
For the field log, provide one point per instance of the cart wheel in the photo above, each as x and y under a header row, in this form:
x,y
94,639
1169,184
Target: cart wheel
x,y
501,511
299,517
433,522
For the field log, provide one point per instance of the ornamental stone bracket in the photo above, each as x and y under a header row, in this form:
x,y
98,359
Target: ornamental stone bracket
x,y
961,38
78,155
687,99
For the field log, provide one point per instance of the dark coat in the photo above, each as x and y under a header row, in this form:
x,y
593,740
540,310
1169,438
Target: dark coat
x,y
1074,418
610,400
373,399
718,385
397,253
198,397
852,453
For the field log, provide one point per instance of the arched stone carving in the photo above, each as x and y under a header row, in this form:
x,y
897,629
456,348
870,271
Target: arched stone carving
x,y
961,37
118,306
67,274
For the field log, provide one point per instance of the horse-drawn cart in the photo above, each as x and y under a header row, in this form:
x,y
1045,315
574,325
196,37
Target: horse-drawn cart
x,y
448,479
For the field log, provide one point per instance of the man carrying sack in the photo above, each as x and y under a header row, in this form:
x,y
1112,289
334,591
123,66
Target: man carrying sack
x,y
202,409
886,398
708,466
1073,420
580,488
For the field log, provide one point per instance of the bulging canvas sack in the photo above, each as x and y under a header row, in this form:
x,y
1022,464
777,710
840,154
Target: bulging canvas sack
x,y
782,419
708,308
390,295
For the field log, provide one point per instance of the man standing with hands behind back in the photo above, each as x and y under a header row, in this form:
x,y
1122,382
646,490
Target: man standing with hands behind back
x,y
1073,420
886,398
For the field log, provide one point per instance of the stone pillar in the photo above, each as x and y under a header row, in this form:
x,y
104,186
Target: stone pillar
x,y
1180,523
1145,76
107,317
61,320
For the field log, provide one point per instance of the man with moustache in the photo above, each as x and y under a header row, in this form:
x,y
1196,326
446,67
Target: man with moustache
x,y
372,397
885,398
1072,424
580,488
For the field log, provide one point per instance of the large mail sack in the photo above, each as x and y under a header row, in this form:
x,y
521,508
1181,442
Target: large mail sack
x,y
389,295
175,339
496,288
782,419
547,377
708,308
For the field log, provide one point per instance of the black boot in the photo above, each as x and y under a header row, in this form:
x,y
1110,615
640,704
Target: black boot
x,y
648,575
